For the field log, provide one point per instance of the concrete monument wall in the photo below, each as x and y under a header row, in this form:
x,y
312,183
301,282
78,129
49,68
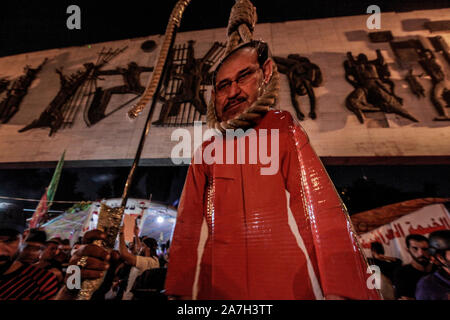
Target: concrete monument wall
x,y
336,133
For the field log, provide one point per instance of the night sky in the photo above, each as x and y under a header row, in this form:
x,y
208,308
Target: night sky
x,y
27,26
36,25
361,187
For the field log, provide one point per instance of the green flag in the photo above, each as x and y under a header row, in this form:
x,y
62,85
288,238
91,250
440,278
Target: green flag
x,y
51,190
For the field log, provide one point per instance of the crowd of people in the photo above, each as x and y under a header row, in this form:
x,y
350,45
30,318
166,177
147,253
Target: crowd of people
x,y
34,267
426,277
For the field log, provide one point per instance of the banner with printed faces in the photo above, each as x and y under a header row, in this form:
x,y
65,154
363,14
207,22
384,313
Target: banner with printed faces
x,y
392,235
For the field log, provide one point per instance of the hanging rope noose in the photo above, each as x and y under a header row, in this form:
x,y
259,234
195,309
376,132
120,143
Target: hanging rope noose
x,y
240,30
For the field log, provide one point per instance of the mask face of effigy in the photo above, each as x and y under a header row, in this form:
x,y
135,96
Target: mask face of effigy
x,y
238,83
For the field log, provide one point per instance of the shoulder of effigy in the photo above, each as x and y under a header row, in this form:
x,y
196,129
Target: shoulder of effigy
x,y
284,121
276,118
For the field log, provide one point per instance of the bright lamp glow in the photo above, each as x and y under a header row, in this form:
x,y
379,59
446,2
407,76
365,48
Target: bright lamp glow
x,y
160,219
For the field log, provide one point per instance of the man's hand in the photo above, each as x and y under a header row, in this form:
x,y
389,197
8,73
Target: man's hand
x,y
92,260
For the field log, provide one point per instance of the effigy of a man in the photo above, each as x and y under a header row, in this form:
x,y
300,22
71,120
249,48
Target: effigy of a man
x,y
248,228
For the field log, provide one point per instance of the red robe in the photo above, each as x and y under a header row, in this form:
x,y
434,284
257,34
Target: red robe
x,y
243,235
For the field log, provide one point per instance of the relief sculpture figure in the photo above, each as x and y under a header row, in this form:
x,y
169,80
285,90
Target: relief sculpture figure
x,y
303,76
440,94
414,84
53,115
132,84
74,91
374,90
15,94
3,84
195,73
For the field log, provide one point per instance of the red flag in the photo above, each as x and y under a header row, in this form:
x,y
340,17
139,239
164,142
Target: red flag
x,y
49,195
40,211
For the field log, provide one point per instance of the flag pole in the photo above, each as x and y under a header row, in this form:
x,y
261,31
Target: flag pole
x,y
48,196
110,219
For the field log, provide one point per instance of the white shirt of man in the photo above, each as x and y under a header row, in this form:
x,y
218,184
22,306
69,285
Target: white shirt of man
x,y
142,264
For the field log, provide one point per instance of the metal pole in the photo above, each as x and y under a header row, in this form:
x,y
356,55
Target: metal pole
x,y
144,134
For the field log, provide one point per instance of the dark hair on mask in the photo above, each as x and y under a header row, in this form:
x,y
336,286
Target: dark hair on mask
x,y
415,237
262,50
377,247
